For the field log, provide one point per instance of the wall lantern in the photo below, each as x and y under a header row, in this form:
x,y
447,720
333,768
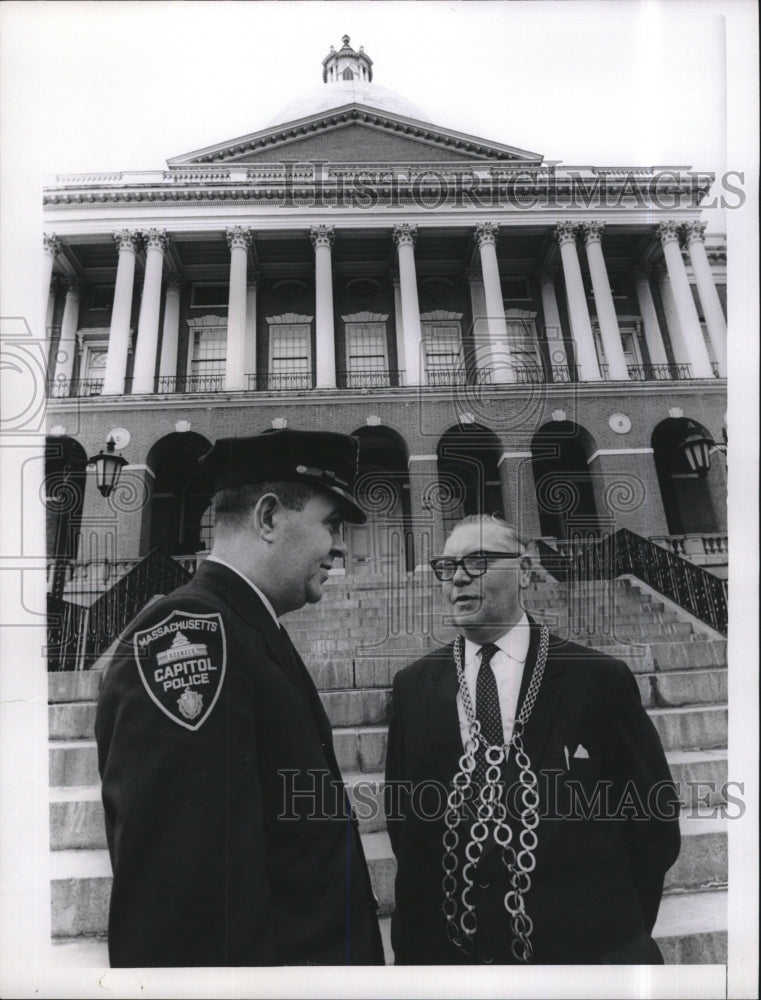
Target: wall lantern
x,y
108,468
697,448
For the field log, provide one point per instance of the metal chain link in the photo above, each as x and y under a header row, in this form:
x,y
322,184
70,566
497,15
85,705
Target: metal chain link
x,y
491,817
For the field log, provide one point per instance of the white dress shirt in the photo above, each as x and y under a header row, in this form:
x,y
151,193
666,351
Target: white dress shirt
x,y
252,585
508,665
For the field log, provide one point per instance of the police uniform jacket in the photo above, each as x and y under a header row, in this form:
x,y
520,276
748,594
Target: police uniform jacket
x,y
207,723
600,865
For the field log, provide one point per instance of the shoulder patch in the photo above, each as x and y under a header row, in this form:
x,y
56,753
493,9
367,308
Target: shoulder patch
x,y
182,662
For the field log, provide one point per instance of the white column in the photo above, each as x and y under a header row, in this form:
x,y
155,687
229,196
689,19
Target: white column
x,y
501,362
118,337
150,307
653,338
404,237
67,345
322,241
481,337
249,359
709,298
239,240
50,315
170,334
399,324
672,317
606,310
700,363
50,246
578,313
553,332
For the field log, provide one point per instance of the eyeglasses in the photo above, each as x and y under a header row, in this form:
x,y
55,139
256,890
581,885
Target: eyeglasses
x,y
474,563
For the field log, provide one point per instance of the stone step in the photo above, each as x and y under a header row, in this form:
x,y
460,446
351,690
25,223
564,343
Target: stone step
x,y
382,865
76,818
73,685
700,775
74,762
366,796
360,748
692,928
74,720
702,861
357,707
701,728
663,656
679,688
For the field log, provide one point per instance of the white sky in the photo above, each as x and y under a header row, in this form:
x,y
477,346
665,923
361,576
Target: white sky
x,y
116,85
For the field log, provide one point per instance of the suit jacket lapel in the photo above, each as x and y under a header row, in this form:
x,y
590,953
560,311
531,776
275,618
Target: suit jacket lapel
x,y
443,722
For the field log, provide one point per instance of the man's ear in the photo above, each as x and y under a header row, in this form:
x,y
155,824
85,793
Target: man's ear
x,y
264,516
525,572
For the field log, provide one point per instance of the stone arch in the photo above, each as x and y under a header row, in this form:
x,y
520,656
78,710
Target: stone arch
x,y
385,543
565,490
65,479
180,518
468,474
691,503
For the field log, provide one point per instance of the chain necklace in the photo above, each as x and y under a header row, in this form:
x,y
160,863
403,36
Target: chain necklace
x,y
491,815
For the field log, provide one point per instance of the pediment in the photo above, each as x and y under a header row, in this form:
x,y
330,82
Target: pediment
x,y
355,134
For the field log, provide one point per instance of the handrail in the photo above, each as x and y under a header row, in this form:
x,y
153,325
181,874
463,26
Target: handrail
x,y
156,573
693,588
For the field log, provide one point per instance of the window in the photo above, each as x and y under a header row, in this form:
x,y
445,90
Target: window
x,y
443,352
366,358
206,293
523,346
92,366
102,297
207,359
290,356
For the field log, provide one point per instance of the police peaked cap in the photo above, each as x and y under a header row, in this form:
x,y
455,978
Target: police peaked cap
x,y
322,459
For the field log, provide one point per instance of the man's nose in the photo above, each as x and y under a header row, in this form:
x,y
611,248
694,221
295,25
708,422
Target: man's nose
x,y
338,548
461,577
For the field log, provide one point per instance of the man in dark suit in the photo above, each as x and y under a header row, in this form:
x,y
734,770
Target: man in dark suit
x,y
230,836
557,855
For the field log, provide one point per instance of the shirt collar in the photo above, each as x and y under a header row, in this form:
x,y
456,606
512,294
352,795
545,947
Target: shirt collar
x,y
514,642
262,597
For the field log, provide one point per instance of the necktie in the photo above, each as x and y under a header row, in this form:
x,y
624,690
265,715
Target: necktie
x,y
487,710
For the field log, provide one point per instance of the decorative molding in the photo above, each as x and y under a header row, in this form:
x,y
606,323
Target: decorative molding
x,y
202,322
547,274
73,284
279,423
253,278
466,418
565,232
440,314
289,318
405,234
58,431
422,458
155,239
559,416
619,423
51,244
182,426
322,236
593,232
641,272
373,420
619,451
126,239
486,233
474,274
238,237
174,282
366,317
668,232
512,454
675,412
694,232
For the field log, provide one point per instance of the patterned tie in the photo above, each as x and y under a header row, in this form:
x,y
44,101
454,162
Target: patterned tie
x,y
487,710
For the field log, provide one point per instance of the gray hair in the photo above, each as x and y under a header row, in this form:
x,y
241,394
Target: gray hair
x,y
495,521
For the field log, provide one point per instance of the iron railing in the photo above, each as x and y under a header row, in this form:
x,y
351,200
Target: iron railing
x,y
263,381
446,376
191,383
369,378
65,633
107,617
659,373
63,388
691,587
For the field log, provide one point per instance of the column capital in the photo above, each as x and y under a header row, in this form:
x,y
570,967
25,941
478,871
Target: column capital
x,y
253,278
694,232
174,282
238,237
405,234
72,283
474,273
393,277
565,232
322,236
668,232
641,272
660,272
51,244
155,239
593,232
486,232
126,239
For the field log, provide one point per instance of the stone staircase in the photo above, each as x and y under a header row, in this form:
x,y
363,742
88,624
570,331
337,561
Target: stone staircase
x,y
354,641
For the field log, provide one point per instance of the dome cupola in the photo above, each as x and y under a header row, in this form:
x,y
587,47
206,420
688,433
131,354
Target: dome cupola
x,y
346,64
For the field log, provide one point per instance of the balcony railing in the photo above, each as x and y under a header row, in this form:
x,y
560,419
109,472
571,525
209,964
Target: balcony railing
x,y
370,378
659,373
63,388
445,376
280,381
191,383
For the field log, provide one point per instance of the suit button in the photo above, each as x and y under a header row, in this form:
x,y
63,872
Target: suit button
x,y
483,883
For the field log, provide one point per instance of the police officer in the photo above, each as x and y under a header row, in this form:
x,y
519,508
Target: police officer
x,y
208,722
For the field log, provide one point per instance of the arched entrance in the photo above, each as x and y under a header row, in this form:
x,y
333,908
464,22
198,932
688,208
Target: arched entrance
x,y
65,478
384,543
180,515
689,501
467,459
565,495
